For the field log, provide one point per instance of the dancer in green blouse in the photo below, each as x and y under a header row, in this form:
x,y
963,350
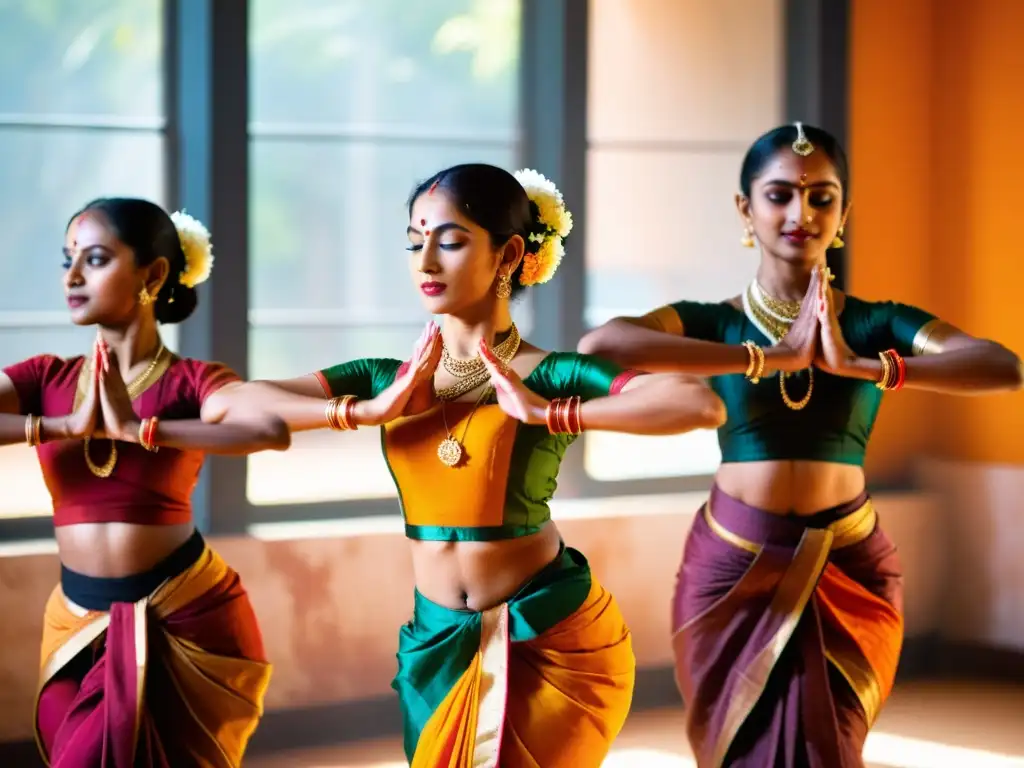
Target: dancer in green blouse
x,y
515,654
788,609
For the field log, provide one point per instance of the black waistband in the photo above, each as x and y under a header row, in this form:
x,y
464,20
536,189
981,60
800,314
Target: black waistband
x,y
97,594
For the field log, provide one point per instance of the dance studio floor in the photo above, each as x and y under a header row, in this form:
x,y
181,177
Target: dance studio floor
x,y
925,725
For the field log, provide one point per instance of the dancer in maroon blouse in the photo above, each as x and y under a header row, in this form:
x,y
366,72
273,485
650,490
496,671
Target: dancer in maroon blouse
x,y
151,653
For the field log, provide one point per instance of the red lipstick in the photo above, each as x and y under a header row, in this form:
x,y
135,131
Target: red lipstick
x,y
433,288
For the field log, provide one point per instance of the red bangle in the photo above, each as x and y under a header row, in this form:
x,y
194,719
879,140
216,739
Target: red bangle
x,y
563,416
147,433
549,414
900,364
554,416
573,422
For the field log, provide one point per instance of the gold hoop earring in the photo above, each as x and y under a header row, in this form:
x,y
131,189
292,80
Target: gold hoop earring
x,y
504,287
747,241
838,241
145,298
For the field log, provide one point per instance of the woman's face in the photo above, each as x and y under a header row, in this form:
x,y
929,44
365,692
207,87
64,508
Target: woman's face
x,y
795,206
453,262
101,279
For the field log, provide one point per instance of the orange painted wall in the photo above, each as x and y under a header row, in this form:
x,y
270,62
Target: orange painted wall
x,y
936,104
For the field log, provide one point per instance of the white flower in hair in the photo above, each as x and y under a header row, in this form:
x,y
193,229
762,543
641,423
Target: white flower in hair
x,y
557,221
195,243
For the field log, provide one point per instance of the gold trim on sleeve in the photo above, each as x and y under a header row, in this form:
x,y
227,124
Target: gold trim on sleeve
x,y
664,319
931,337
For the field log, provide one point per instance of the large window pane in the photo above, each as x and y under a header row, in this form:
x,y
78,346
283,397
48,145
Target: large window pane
x,y
81,58
329,219
663,168
48,174
352,104
446,67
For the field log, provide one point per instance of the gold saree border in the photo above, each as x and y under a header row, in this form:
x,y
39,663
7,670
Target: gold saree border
x,y
852,665
790,599
77,642
493,691
172,595
141,627
848,530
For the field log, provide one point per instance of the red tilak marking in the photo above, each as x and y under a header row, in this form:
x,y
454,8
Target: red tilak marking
x,y
422,222
427,233
433,187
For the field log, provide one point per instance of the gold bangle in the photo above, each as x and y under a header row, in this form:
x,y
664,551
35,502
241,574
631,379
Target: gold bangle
x,y
885,380
29,431
37,430
338,413
756,366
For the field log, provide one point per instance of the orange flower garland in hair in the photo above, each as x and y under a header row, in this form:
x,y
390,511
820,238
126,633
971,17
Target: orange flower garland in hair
x,y
540,267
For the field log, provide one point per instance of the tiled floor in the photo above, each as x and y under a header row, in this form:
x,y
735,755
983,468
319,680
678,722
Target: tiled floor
x,y
934,725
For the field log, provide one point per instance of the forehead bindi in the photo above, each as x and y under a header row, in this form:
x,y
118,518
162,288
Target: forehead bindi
x,y
431,210
802,171
87,230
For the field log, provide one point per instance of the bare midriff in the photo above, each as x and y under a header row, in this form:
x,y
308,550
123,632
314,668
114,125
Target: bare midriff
x,y
477,575
791,487
115,550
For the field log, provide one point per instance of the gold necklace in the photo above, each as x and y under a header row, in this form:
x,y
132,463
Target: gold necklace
x,y
777,330
504,352
133,391
788,310
774,328
463,368
450,450
796,405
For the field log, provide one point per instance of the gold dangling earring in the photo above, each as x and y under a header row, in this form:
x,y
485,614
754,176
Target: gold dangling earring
x,y
504,287
838,242
747,241
145,298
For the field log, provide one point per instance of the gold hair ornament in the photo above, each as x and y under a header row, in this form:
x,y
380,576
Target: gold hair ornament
x,y
802,146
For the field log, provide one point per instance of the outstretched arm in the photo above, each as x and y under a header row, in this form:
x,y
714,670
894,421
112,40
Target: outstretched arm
x,y
655,343
938,357
607,397
300,402
383,389
683,338
953,362
217,431
657,404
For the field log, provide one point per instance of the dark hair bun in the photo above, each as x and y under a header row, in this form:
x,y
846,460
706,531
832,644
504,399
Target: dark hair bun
x,y
175,303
